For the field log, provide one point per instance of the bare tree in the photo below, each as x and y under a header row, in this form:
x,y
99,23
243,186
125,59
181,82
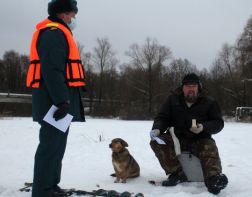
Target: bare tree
x,y
244,46
90,78
177,70
24,64
2,76
12,64
226,64
228,60
103,58
146,58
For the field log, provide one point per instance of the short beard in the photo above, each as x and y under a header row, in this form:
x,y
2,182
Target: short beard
x,y
191,98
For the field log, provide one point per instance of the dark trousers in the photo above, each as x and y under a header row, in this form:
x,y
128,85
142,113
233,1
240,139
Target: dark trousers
x,y
205,149
48,160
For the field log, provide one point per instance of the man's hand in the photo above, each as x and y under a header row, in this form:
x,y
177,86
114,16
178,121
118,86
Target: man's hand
x,y
197,129
62,111
154,133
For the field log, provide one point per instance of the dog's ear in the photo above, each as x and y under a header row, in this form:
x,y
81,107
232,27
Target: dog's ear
x,y
125,144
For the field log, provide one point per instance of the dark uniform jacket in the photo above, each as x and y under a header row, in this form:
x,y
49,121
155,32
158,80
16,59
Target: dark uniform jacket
x,y
53,51
175,113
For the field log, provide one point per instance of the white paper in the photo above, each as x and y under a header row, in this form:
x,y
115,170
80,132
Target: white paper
x,y
159,141
61,124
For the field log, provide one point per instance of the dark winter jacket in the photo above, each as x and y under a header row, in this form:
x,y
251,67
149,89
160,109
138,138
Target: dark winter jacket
x,y
175,113
53,52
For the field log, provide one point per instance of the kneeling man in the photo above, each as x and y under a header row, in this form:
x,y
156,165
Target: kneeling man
x,y
194,117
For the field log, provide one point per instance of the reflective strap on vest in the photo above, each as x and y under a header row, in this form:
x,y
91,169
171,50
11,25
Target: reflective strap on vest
x,y
75,73
33,76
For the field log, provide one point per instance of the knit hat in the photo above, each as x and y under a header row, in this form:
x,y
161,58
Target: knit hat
x,y
60,6
191,78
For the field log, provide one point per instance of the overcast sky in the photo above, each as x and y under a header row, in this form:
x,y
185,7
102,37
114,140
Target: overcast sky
x,y
192,29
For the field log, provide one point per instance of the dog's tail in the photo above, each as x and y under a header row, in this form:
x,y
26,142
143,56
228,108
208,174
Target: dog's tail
x,y
134,176
113,175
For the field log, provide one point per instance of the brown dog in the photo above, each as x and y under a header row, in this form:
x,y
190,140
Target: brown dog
x,y
124,164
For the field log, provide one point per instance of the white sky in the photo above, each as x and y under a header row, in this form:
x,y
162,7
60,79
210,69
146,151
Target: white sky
x,y
193,29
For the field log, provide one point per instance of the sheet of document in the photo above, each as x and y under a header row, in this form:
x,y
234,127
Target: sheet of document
x,y
61,124
159,141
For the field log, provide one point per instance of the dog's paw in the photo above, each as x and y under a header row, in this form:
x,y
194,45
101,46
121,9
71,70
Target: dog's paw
x,y
117,181
124,181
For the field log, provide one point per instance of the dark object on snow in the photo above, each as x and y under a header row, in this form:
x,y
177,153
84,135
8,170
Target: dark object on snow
x,y
156,183
59,192
125,194
27,187
139,195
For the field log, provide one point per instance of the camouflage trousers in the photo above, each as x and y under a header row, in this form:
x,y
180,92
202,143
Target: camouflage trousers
x,y
205,149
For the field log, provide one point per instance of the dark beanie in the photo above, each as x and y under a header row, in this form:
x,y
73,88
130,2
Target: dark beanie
x,y
61,6
191,78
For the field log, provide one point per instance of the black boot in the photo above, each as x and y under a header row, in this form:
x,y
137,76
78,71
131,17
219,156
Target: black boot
x,y
175,178
216,183
56,194
57,191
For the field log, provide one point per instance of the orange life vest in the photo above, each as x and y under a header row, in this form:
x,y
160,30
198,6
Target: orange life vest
x,y
74,70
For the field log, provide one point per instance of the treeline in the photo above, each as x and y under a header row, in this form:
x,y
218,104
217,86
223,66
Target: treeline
x,y
137,88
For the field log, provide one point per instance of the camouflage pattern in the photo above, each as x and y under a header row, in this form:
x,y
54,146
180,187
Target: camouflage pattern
x,y
205,149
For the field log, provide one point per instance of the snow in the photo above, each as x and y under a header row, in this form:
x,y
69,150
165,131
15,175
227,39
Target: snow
x,y
87,162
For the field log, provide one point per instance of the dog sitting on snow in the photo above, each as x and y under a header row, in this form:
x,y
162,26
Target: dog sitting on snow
x,y
124,164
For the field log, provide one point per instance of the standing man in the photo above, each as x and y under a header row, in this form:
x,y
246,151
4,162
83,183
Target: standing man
x,y
56,76
193,117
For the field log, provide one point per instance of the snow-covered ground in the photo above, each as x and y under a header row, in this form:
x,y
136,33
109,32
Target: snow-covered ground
x,y
87,162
